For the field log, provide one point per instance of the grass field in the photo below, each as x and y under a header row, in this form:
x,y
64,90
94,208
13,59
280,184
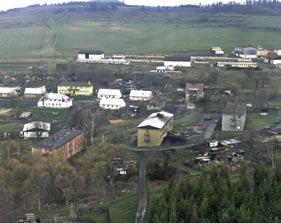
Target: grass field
x,y
127,30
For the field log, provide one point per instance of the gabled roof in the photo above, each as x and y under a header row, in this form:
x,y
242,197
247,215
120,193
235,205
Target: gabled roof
x,y
156,120
140,93
199,87
113,101
37,90
75,84
96,52
115,92
56,96
273,56
37,126
234,108
7,90
58,139
178,58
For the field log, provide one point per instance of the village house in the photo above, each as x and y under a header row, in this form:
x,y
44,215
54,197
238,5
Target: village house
x,y
36,129
75,88
234,116
277,51
272,58
261,52
85,56
65,143
194,92
8,92
153,129
140,95
54,100
35,92
177,61
156,104
217,51
112,103
245,52
109,93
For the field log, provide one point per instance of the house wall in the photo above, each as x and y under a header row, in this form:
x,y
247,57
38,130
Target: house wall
x,y
229,125
156,136
192,97
91,56
43,134
177,63
77,91
272,61
50,103
111,106
67,150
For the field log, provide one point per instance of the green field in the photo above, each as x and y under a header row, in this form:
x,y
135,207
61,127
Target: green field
x,y
46,34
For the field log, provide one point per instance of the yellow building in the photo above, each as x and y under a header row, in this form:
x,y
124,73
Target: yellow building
x,y
75,88
152,130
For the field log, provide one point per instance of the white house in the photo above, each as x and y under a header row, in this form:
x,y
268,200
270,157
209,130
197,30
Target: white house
x,y
112,103
217,51
272,58
7,91
90,55
36,129
140,95
109,93
245,52
35,92
177,61
55,100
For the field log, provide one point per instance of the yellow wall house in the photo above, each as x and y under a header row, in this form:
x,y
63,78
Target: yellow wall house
x,y
75,88
152,130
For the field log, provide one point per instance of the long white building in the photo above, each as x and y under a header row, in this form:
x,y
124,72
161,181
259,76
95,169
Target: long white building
x,y
140,95
55,100
109,93
112,103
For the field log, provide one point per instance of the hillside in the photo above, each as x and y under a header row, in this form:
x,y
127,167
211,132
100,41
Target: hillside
x,y
59,31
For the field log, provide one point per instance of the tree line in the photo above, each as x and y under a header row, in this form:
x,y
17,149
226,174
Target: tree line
x,y
252,196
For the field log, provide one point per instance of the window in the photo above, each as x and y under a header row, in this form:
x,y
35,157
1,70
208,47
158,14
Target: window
x,y
146,137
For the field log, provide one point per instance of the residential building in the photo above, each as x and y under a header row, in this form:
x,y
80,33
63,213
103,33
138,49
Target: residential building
x,y
153,129
245,52
194,92
262,52
75,88
65,143
277,51
140,95
272,58
112,103
217,51
90,55
36,129
234,116
54,100
8,92
177,61
35,92
109,93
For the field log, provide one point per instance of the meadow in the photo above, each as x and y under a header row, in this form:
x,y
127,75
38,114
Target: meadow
x,y
46,35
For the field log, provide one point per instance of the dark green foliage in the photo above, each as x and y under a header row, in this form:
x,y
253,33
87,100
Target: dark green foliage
x,y
253,196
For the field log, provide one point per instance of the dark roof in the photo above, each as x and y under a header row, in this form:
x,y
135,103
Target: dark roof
x,y
273,56
58,139
97,52
177,58
234,108
75,84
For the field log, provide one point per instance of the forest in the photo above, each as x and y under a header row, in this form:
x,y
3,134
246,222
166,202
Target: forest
x,y
251,196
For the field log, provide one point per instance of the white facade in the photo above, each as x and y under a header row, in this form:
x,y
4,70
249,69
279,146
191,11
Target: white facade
x,y
177,63
241,64
35,92
55,100
112,103
109,93
90,55
36,130
278,52
7,91
139,95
